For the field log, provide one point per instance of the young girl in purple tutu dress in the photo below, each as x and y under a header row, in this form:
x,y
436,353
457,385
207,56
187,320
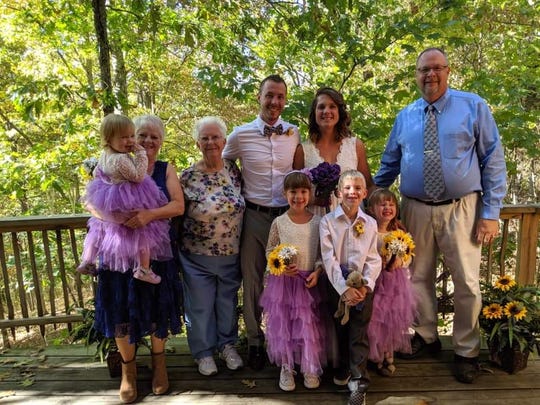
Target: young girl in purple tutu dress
x,y
295,330
120,188
393,300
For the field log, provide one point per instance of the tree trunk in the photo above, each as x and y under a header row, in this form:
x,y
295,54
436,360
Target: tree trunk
x,y
120,77
100,23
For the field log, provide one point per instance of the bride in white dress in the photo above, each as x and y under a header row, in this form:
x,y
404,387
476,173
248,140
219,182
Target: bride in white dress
x,y
331,140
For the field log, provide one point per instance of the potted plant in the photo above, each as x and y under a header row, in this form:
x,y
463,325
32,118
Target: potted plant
x,y
510,320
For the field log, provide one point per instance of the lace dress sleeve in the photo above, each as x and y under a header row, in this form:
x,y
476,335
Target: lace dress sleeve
x,y
273,238
130,168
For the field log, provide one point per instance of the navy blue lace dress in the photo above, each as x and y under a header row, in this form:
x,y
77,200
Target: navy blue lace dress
x,y
126,306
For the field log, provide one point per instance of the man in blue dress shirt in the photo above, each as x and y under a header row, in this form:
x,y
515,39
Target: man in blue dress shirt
x,y
462,216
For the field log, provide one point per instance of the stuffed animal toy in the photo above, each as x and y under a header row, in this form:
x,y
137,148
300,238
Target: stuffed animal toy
x,y
355,280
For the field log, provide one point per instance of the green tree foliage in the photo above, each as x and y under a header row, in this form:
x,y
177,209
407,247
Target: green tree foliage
x,y
185,59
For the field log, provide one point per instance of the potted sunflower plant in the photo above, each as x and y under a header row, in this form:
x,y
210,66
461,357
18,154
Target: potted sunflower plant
x,y
510,321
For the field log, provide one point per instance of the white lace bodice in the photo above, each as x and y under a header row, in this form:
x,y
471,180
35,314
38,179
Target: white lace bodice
x,y
346,159
304,236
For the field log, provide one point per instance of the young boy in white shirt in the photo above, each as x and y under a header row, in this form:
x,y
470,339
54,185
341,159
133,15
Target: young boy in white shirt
x,y
349,243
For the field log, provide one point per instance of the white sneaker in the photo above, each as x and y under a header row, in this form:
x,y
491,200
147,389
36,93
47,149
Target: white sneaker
x,y
207,365
311,381
231,357
286,379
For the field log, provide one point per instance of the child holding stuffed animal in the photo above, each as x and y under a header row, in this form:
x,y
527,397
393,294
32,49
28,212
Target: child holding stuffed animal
x,y
295,331
348,245
393,302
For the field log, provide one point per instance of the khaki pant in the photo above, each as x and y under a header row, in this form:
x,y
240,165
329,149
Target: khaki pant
x,y
447,230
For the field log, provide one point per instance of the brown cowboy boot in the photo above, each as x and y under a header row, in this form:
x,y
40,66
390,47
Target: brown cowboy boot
x,y
128,386
160,380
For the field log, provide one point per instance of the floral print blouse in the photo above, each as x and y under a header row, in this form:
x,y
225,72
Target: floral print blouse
x,y
214,211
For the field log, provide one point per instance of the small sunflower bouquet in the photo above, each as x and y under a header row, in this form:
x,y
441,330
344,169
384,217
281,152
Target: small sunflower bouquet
x,y
400,244
510,317
280,257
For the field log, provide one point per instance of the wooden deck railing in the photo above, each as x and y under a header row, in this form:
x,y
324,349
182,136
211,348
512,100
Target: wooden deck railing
x,y
38,256
39,284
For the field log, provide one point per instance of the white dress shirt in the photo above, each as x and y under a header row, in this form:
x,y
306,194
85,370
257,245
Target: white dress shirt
x,y
340,245
265,161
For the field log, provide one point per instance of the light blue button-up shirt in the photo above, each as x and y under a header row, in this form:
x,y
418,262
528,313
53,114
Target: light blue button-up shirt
x,y
471,151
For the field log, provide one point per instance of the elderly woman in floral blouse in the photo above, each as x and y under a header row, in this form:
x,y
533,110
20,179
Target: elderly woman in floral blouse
x,y
209,250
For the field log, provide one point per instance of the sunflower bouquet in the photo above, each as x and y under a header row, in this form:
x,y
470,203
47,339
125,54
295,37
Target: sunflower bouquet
x,y
280,257
510,316
400,244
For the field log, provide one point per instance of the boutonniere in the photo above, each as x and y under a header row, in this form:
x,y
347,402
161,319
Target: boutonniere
x,y
289,131
358,228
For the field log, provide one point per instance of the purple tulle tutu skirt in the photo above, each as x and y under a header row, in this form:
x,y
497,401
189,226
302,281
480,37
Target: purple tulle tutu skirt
x,y
394,309
117,245
295,333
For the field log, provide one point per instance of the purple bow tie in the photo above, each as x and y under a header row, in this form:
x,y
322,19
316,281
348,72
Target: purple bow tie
x,y
268,130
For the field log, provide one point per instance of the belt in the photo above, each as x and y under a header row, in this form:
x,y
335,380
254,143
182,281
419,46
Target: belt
x,y
273,211
435,203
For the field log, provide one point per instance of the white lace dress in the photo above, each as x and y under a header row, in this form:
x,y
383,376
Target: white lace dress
x,y
296,330
346,159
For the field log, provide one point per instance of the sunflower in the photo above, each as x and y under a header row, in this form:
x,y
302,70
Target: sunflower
x,y
515,309
280,257
398,243
504,283
493,311
276,264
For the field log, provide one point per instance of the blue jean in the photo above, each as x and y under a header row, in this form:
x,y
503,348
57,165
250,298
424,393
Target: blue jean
x,y
211,286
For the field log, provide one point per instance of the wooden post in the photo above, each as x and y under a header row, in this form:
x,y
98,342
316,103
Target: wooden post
x,y
528,241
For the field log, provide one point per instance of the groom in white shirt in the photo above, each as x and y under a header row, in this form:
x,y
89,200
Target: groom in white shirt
x,y
265,148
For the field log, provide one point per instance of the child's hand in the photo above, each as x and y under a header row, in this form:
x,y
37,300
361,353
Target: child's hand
x,y
312,279
291,270
394,263
136,147
353,296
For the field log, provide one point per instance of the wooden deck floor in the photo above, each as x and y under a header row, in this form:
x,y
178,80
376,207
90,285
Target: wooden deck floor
x,y
68,375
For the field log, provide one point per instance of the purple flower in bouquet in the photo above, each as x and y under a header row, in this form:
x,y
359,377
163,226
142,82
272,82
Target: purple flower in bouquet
x,y
325,177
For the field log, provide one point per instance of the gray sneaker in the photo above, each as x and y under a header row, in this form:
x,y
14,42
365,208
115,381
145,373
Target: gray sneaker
x,y
207,365
286,379
231,357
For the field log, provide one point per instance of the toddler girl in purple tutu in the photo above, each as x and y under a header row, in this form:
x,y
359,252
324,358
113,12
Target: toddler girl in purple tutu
x,y
393,300
120,188
295,331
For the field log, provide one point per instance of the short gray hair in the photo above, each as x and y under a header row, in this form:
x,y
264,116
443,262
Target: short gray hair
x,y
209,120
149,119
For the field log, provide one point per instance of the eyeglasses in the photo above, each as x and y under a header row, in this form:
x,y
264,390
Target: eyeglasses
x,y
436,69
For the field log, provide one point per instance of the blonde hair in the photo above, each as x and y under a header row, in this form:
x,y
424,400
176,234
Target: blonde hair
x,y
112,125
209,120
354,174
